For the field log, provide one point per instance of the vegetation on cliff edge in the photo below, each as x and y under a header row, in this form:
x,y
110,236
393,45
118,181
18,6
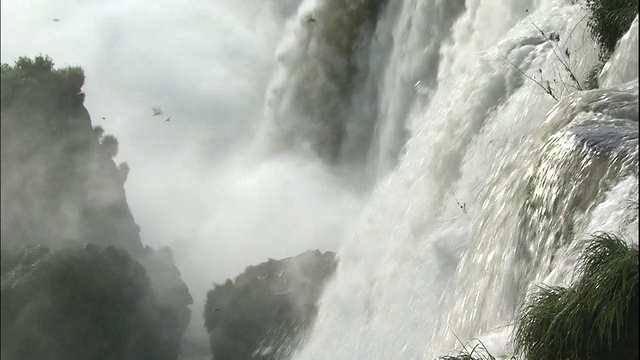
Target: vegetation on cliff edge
x,y
38,77
90,302
595,318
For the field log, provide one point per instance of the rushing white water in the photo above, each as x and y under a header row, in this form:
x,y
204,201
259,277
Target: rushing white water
x,y
496,182
348,83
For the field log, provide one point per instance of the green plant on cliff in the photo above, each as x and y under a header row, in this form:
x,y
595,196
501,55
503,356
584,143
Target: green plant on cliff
x,y
37,77
91,302
609,20
596,318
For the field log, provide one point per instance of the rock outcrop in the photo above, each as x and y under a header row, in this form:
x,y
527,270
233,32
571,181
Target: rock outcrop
x,y
266,309
60,184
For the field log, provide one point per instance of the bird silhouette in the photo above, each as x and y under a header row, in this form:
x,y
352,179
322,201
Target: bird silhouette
x,y
56,20
169,118
156,111
103,118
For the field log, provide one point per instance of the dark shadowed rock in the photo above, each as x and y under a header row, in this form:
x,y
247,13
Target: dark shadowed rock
x,y
268,307
83,302
60,186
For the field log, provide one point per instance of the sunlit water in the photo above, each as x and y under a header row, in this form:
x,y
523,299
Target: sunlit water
x,y
507,166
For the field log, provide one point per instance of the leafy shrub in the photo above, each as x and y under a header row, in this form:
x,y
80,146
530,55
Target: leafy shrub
x,y
37,80
93,302
110,145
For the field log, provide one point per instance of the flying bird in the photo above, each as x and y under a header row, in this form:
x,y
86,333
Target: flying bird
x,y
103,118
56,20
169,118
156,111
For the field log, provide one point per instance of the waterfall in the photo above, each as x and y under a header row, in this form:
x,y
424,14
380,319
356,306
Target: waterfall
x,y
454,153
346,86
490,160
306,107
623,65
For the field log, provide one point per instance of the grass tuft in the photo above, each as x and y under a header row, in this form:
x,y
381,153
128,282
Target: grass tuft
x,y
609,272
594,318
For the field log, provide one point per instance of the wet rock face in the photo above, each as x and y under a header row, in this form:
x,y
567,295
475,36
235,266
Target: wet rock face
x,y
168,287
263,311
59,182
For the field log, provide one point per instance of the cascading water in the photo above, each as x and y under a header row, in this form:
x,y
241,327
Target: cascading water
x,y
555,179
347,83
506,164
305,103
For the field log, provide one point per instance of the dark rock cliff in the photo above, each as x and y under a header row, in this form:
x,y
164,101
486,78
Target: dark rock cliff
x,y
60,185
267,308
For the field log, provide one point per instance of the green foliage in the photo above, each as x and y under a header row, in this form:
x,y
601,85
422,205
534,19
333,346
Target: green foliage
x,y
591,81
14,266
58,169
37,80
596,318
478,352
542,327
93,302
609,271
60,175
267,306
608,21
110,145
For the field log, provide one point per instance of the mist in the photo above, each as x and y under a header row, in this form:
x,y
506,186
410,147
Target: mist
x,y
196,184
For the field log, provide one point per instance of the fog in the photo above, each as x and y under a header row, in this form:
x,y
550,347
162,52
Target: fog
x,y
196,183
